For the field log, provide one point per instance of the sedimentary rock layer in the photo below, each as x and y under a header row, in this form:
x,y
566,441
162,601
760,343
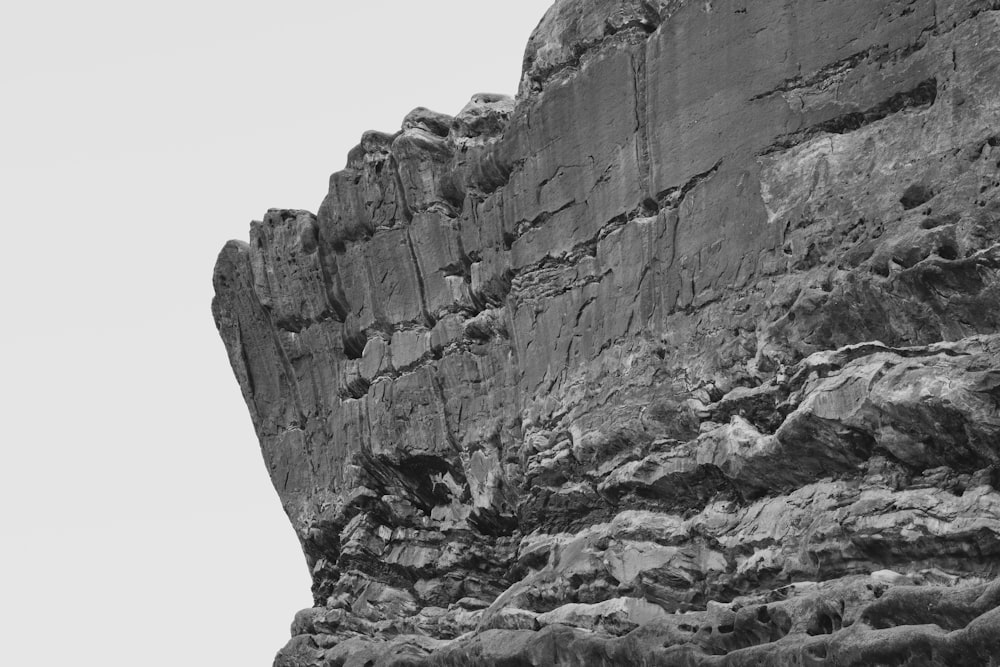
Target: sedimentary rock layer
x,y
688,355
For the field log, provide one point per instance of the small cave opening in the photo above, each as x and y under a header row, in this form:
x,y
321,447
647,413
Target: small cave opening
x,y
947,252
423,478
763,615
354,344
915,195
825,623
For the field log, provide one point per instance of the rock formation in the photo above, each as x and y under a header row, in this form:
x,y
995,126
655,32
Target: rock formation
x,y
688,355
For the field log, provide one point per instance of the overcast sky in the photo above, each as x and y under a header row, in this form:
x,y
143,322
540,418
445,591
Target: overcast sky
x,y
138,524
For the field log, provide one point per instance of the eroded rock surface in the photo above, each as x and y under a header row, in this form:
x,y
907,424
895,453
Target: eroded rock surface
x,y
688,355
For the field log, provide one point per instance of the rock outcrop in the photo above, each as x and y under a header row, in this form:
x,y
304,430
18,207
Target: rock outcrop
x,y
688,355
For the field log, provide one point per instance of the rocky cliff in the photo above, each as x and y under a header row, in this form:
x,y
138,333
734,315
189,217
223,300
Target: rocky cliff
x,y
688,355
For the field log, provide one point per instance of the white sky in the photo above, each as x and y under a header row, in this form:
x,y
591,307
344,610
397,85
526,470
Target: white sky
x,y
138,523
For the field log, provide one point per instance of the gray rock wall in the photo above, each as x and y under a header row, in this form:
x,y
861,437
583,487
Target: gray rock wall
x,y
689,355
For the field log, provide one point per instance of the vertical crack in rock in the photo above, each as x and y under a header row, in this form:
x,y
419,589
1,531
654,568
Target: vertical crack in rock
x,y
641,124
689,354
421,290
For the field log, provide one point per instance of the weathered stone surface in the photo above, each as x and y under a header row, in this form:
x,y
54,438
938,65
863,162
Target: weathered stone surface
x,y
688,355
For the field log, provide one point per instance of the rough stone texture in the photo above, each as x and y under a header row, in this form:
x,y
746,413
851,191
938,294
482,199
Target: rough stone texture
x,y
689,355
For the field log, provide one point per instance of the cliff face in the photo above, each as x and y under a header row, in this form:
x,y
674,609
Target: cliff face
x,y
689,355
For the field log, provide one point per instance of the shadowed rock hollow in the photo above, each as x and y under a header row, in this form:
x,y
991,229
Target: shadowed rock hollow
x,y
688,355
